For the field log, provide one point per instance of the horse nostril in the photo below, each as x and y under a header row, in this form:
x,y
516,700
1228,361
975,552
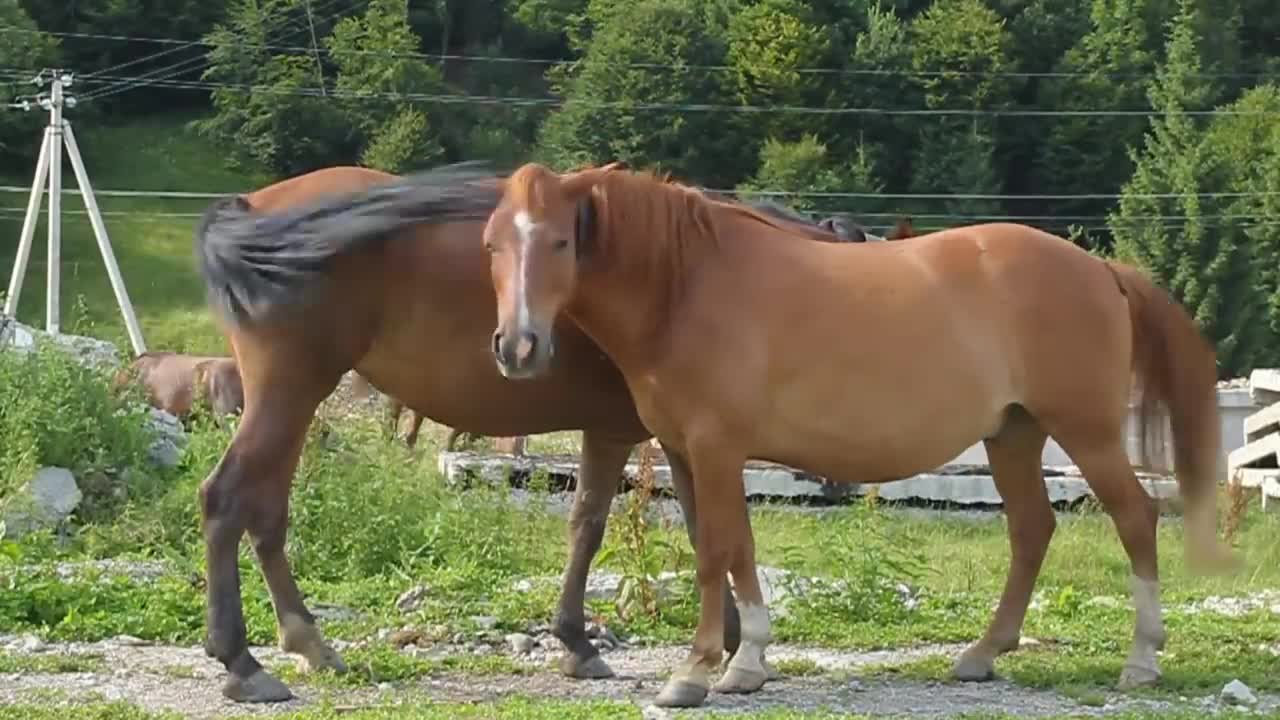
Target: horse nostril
x,y
497,345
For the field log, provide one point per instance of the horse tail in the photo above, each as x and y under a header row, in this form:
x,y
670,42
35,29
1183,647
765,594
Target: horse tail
x,y
255,263
1177,370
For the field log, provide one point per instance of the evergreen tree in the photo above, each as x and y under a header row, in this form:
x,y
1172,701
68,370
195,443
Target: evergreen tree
x,y
270,107
600,121
380,84
770,44
22,52
962,52
805,166
1207,270
1247,148
1079,156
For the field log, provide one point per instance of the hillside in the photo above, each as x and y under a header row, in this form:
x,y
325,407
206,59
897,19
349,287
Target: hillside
x,y
151,236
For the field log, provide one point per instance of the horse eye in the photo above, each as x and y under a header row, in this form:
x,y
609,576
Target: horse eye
x,y
488,247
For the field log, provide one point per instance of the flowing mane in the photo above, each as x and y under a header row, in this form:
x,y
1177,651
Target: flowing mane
x,y
657,210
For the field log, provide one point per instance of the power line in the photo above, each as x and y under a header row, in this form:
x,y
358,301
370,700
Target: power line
x,y
887,72
1062,225
199,62
173,194
554,102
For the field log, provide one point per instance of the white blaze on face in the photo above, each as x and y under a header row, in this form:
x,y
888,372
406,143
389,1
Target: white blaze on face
x,y
525,226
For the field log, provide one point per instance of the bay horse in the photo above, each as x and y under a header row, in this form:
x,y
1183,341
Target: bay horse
x,y
179,384
868,361
350,268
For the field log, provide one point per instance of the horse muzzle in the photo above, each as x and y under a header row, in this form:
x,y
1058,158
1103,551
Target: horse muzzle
x,y
522,354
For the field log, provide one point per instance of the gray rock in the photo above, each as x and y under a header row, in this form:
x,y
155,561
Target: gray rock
x,y
1237,693
520,643
485,622
333,612
653,712
412,598
31,644
48,499
90,352
166,449
128,641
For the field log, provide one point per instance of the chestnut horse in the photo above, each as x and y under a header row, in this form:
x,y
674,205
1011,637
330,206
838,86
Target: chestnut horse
x,y
346,268
869,361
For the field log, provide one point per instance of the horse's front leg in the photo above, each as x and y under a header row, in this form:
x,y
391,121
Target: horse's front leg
x,y
724,543
599,475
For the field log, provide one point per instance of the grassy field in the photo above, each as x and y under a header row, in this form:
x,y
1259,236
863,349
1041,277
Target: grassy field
x,y
371,519
151,236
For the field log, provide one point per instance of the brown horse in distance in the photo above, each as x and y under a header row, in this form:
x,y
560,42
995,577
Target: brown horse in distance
x,y
874,361
348,268
174,382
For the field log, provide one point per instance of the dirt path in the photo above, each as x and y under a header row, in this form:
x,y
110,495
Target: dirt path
x,y
182,679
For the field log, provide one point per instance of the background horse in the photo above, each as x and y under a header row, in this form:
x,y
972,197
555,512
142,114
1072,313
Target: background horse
x,y
175,382
348,268
868,361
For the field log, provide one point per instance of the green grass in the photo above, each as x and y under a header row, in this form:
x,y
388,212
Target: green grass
x,y
370,519
50,663
517,708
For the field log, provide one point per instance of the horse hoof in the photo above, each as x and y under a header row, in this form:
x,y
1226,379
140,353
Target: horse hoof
x,y
1133,677
738,680
593,668
260,687
681,694
326,658
973,668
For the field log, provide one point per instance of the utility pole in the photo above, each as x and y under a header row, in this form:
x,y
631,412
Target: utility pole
x,y
49,168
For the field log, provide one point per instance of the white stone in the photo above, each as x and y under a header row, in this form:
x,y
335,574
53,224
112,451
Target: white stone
x,y
653,712
520,643
166,449
485,622
31,644
1237,693
90,352
412,598
48,499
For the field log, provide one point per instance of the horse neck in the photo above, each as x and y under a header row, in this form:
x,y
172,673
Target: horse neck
x,y
633,283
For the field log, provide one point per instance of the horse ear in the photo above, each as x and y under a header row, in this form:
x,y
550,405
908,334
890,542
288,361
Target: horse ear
x,y
578,184
584,227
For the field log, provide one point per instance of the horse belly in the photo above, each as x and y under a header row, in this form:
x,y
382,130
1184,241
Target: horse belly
x,y
874,421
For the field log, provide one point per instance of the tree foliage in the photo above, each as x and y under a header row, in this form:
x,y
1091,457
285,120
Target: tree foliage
x,y
838,97
1208,269
28,52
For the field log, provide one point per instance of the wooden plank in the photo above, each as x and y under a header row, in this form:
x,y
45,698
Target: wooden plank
x,y
1260,453
1264,422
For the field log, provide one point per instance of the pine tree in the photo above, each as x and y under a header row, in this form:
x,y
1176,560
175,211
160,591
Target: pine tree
x,y
1161,221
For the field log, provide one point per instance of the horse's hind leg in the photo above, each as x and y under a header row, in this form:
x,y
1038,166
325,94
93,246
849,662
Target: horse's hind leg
x,y
249,490
1105,465
411,439
1014,455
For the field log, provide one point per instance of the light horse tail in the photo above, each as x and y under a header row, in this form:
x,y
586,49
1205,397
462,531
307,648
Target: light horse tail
x,y
255,263
1177,369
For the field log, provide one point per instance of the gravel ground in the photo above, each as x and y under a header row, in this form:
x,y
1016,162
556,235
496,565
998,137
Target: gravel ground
x,y
182,679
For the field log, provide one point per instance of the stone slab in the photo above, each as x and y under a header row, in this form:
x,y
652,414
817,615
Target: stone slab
x,y
955,484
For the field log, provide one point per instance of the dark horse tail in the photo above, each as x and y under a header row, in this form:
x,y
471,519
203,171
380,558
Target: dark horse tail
x,y
1177,368
255,263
